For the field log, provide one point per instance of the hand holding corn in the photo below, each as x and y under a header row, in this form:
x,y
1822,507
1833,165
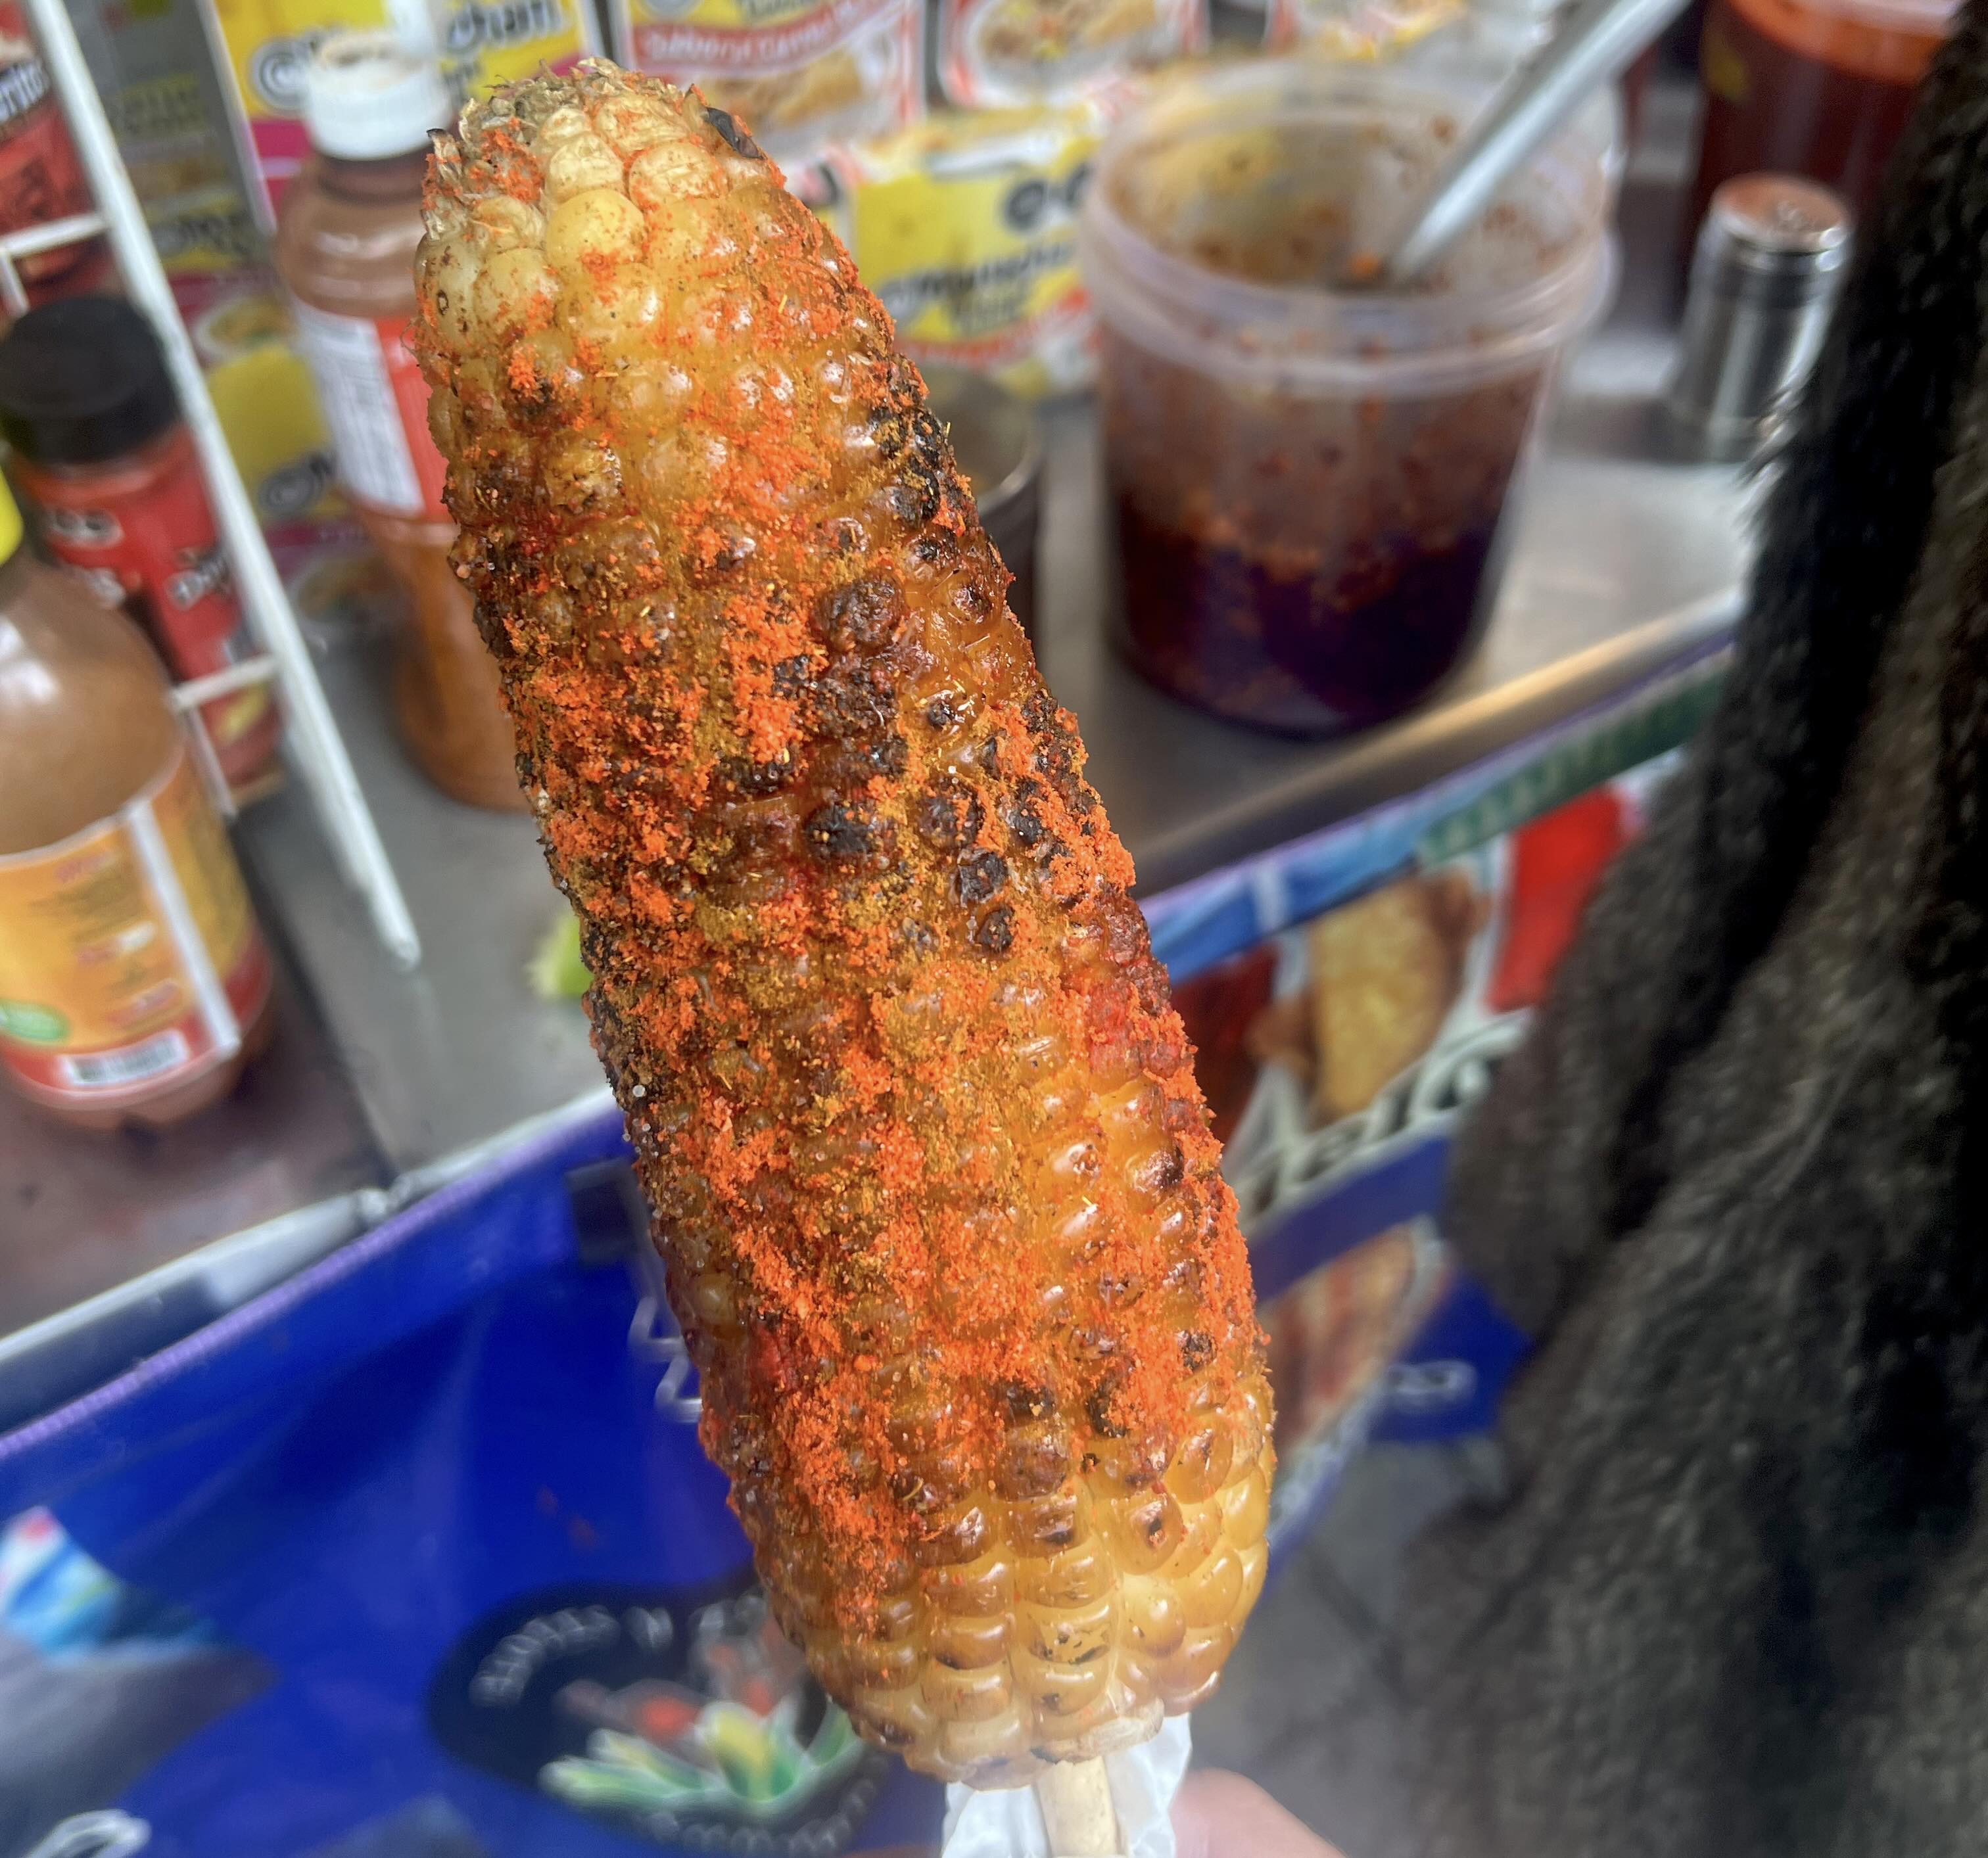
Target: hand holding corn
x,y
943,1213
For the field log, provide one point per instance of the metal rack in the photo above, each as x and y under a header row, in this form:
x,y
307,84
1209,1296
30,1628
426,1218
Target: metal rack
x,y
316,750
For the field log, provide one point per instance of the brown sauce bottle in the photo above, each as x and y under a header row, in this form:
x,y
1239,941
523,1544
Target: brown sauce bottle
x,y
1821,87
134,984
345,247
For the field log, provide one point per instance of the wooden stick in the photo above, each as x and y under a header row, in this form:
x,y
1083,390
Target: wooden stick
x,y
1076,1800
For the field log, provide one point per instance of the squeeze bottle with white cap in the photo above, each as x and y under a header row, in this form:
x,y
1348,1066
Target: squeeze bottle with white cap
x,y
345,247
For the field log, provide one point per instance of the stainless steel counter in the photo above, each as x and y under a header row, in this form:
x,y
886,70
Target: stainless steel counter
x,y
84,1211
459,1048
89,1221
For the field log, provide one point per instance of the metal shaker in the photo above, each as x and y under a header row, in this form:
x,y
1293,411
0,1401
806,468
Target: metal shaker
x,y
1771,259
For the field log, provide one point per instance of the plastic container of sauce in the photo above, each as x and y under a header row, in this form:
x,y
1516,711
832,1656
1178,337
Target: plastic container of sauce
x,y
135,984
1821,87
1311,480
344,246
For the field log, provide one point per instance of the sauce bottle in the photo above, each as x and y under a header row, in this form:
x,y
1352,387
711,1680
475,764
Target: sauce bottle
x,y
345,246
101,455
135,984
1820,88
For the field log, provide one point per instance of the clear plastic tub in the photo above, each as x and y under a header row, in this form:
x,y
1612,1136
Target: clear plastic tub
x,y
1309,482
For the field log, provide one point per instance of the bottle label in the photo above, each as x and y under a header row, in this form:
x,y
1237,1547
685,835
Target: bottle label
x,y
376,404
152,541
130,960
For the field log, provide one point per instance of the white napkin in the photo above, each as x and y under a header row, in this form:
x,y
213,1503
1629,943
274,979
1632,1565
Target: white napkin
x,y
1008,1823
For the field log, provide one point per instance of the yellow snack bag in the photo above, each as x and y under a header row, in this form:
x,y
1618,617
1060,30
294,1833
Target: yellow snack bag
x,y
269,411
264,46
166,109
799,73
966,227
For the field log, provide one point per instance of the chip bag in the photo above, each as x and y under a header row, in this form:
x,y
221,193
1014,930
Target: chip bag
x,y
265,45
966,228
799,73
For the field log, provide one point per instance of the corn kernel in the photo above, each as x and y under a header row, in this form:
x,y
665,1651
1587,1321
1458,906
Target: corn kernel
x,y
514,294
600,225
579,164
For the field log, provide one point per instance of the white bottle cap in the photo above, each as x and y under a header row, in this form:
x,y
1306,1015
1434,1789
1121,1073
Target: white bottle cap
x,y
367,95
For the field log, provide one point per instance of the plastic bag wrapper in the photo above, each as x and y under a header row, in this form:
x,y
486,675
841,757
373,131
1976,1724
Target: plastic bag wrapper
x,y
800,76
965,228
1008,1823
1003,52
1357,31
417,1554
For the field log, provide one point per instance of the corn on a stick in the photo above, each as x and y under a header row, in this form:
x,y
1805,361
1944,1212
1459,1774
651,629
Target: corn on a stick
x,y
942,1214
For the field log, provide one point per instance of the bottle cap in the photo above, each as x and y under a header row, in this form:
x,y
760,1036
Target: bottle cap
x,y
1775,225
368,96
83,380
1771,258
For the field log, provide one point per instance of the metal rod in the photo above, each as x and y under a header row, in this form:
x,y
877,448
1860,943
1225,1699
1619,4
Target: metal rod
x,y
1599,39
261,669
28,242
319,751
52,233
213,776
188,699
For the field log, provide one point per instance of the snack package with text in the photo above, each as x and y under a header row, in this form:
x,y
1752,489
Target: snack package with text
x,y
1350,997
169,112
262,46
799,73
42,178
1356,31
1004,52
966,228
269,407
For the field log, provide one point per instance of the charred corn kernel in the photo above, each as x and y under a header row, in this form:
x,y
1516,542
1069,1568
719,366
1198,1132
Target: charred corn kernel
x,y
995,1746
944,1221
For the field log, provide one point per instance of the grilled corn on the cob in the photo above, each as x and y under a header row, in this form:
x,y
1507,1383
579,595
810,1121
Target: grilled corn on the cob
x,y
941,1210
